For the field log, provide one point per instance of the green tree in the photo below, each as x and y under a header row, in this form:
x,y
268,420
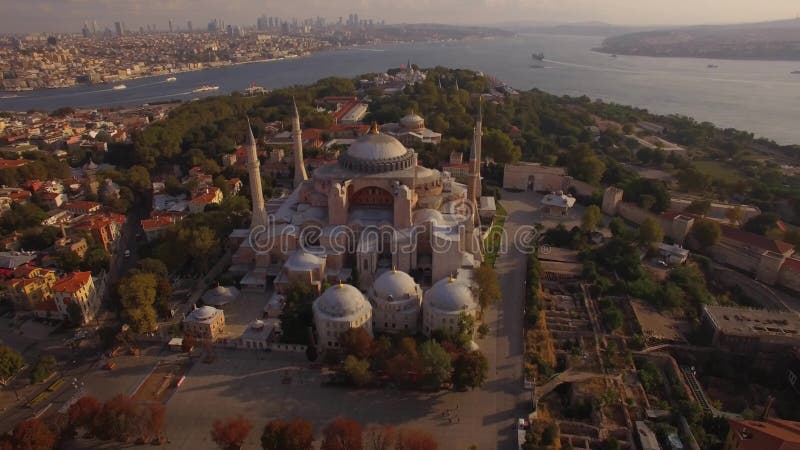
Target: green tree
x,y
10,362
498,146
591,218
138,179
435,361
138,294
700,207
44,367
584,165
470,370
706,233
68,260
650,232
74,314
357,370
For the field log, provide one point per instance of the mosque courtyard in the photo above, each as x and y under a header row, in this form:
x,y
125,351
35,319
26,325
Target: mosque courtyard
x,y
262,386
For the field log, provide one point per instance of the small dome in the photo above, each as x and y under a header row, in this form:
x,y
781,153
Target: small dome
x,y
203,313
376,146
412,122
450,295
397,284
341,301
220,295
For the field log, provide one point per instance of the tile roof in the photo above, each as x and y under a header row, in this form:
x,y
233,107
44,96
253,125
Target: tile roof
x,y
756,240
772,434
73,282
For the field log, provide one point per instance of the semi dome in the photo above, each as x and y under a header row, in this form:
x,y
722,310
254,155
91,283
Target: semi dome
x,y
220,295
412,122
450,295
397,284
203,313
303,260
376,152
341,301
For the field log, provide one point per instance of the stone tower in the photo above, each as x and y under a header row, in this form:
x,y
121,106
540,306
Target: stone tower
x,y
254,172
297,138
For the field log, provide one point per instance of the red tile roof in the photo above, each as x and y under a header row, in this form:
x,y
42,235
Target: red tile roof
x,y
772,434
756,240
157,222
72,282
48,305
12,163
792,264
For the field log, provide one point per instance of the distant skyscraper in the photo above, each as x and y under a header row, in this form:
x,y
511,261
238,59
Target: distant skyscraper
x,y
94,27
118,28
170,25
85,30
189,26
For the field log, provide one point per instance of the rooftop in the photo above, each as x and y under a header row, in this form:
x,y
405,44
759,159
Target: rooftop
x,y
754,322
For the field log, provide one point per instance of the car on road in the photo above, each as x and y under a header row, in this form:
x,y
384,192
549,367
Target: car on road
x,y
127,253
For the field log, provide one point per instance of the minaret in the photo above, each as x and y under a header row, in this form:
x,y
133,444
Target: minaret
x,y
474,186
297,137
254,171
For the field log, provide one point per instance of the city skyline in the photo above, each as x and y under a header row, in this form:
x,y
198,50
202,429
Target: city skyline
x,y
70,15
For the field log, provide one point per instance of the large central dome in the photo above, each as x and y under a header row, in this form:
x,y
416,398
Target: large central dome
x,y
376,152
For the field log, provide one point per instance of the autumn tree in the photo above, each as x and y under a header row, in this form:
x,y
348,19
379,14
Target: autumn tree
x,y
357,342
470,370
415,439
295,435
32,434
138,294
83,413
342,434
230,433
591,218
357,370
379,437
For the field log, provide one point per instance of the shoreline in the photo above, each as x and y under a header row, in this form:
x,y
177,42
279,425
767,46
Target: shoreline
x,y
8,94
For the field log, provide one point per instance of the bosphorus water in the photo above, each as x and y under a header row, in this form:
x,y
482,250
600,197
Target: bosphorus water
x,y
758,96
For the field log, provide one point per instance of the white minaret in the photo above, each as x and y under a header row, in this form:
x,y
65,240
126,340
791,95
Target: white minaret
x,y
254,171
297,137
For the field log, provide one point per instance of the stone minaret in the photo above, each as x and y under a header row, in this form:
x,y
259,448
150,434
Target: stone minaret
x,y
254,171
474,185
297,137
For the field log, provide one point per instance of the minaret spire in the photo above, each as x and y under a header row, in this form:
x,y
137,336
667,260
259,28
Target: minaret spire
x,y
297,137
254,172
474,185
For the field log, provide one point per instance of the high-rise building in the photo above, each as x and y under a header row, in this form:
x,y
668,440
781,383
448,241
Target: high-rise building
x,y
118,28
94,27
189,26
85,30
170,25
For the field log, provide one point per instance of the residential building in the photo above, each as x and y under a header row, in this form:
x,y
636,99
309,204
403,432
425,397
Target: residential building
x,y
209,196
78,288
31,286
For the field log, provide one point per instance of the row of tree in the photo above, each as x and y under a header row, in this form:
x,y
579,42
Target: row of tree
x,y
340,434
120,419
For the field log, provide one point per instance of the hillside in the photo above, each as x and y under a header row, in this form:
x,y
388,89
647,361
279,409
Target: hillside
x,y
779,40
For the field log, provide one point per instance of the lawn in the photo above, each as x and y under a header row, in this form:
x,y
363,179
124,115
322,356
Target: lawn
x,y
492,243
719,170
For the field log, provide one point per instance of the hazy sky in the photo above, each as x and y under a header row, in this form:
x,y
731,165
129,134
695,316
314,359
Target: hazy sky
x,y
68,15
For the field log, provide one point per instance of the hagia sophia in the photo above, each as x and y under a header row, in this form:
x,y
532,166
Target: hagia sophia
x,y
375,219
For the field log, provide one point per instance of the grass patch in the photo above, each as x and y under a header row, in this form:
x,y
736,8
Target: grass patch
x,y
719,171
492,243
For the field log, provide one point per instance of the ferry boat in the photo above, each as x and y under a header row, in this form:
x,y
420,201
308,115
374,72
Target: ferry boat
x,y
205,88
171,79
538,56
713,66
119,87
795,72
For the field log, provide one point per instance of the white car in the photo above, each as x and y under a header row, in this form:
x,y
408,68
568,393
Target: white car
x,y
127,253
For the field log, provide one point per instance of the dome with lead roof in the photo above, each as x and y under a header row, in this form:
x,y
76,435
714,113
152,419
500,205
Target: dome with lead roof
x,y
450,295
395,284
377,152
341,301
412,122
